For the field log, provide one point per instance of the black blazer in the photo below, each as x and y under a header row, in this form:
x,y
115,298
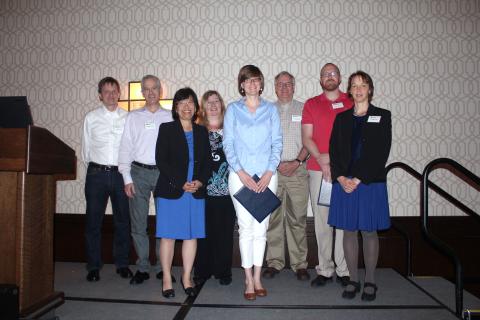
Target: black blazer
x,y
376,141
171,155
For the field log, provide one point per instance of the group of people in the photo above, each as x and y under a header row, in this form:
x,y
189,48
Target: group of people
x,y
196,157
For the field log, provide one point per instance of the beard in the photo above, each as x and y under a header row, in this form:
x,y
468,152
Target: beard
x,y
330,85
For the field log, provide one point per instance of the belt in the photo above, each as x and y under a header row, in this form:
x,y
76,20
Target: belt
x,y
102,167
146,166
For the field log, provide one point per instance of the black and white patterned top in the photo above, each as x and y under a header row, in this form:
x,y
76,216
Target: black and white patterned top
x,y
217,185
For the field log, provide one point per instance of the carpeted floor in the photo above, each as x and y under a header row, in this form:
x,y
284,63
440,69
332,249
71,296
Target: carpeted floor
x,y
288,298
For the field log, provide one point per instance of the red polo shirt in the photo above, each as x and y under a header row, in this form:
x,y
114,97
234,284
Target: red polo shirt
x,y
321,112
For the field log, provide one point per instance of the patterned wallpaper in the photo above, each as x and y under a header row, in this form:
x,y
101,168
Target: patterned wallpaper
x,y
423,56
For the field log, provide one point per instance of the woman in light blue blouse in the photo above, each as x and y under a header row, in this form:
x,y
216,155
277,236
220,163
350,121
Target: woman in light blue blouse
x,y
252,144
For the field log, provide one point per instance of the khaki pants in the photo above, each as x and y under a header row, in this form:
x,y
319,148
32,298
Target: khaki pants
x,y
289,220
324,234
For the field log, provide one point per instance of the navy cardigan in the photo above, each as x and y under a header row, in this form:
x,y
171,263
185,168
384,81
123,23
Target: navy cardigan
x,y
376,142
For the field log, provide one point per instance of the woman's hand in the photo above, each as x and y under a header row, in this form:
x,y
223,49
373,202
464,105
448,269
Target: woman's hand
x,y
192,186
196,185
264,181
247,180
348,185
356,181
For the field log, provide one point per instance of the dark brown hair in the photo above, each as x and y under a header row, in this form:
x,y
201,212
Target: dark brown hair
x,y
247,72
366,78
108,80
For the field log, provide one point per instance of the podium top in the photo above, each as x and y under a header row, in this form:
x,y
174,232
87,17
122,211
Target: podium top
x,y
35,150
15,112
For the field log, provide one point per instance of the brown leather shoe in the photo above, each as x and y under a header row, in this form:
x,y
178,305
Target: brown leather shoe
x,y
261,292
269,272
250,296
302,274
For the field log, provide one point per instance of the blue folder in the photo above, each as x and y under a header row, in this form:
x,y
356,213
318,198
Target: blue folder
x,y
260,205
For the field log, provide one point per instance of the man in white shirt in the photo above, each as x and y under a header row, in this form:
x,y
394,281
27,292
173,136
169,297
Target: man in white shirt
x,y
102,131
139,170
289,221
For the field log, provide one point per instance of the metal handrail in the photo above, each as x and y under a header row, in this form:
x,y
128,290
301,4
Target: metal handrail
x,y
417,175
405,234
436,242
433,186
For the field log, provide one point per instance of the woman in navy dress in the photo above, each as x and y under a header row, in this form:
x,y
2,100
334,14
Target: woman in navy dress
x,y
183,159
359,148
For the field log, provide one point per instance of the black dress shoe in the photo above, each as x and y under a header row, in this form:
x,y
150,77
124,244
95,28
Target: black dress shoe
x,y
169,293
343,280
302,274
125,272
225,281
139,277
199,280
160,277
369,296
320,281
270,272
190,291
93,275
350,294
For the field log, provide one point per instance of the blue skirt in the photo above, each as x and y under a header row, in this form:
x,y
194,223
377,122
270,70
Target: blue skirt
x,y
182,218
365,209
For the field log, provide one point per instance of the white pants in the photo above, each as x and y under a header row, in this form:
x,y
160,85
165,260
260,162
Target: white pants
x,y
253,235
324,234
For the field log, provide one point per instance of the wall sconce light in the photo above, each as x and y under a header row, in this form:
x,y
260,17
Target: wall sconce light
x,y
136,100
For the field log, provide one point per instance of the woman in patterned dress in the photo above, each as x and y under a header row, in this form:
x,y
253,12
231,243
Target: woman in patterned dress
x,y
214,254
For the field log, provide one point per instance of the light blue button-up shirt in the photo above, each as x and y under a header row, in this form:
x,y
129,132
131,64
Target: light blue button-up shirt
x,y
252,141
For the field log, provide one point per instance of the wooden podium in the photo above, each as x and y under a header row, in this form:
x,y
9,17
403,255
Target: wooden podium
x,y
31,161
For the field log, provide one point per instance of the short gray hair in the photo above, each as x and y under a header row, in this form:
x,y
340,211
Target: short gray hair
x,y
285,73
154,78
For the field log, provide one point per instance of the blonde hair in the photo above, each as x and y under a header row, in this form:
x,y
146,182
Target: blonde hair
x,y
202,115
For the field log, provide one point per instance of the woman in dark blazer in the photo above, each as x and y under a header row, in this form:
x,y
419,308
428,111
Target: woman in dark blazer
x,y
359,148
183,159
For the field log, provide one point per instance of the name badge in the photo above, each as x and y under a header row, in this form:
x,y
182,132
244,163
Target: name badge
x,y
374,119
337,105
296,118
149,125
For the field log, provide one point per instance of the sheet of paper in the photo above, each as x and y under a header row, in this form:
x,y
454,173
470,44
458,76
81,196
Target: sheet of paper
x,y
325,194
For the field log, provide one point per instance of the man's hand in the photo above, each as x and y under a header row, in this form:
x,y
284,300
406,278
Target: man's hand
x,y
287,168
324,162
326,174
129,190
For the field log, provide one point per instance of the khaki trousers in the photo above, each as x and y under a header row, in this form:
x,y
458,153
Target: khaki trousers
x,y
324,234
289,221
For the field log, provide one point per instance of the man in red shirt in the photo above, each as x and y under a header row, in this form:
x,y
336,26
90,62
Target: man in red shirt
x,y
317,122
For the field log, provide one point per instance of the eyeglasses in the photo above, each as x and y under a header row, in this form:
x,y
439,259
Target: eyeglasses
x,y
286,85
212,103
329,74
182,104
253,80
